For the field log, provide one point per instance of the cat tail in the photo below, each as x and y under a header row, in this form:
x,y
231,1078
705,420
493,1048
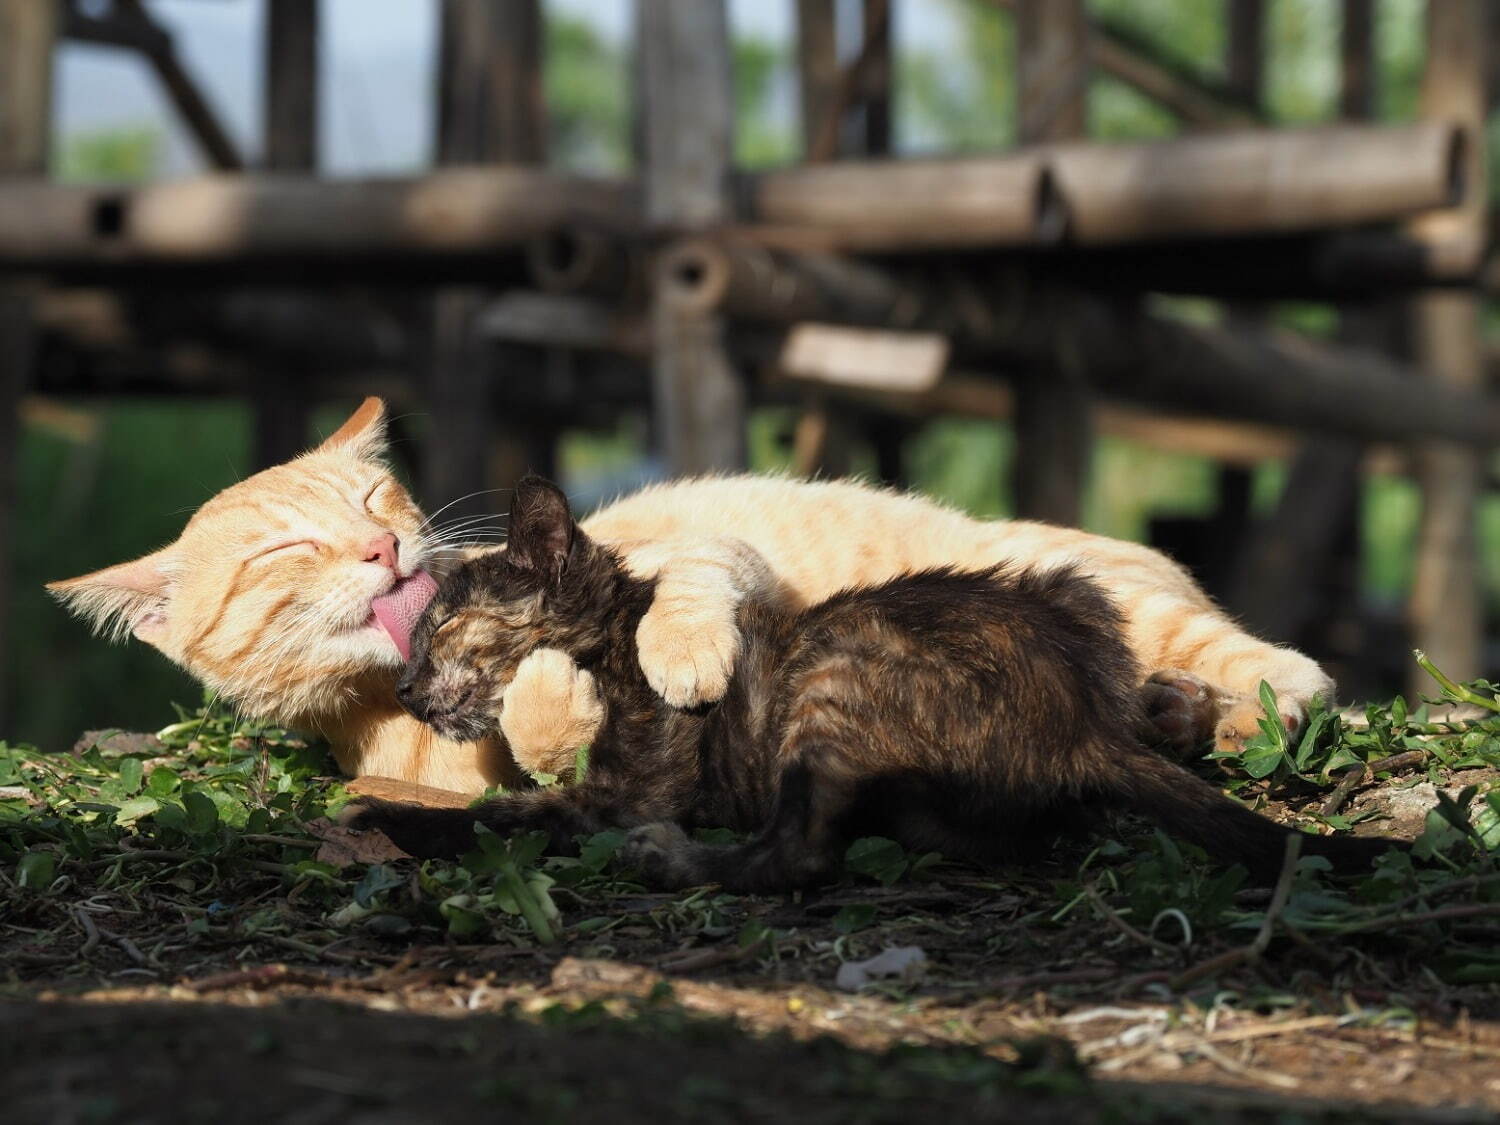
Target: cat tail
x,y
1187,806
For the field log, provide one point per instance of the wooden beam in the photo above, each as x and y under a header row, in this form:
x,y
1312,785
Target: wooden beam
x,y
683,52
194,108
1447,605
246,218
1054,438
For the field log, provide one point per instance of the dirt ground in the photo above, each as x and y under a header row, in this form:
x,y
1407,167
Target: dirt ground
x,y
218,979
1076,1027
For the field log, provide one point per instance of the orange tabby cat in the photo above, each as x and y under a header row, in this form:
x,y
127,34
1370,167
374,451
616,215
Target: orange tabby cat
x,y
291,594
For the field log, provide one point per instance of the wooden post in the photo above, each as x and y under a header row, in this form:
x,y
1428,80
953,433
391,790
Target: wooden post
x,y
1301,568
1447,608
817,70
279,395
876,95
1230,526
489,110
683,52
1053,439
27,33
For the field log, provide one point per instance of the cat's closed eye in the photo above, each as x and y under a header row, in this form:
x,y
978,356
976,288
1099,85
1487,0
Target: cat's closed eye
x,y
303,545
373,493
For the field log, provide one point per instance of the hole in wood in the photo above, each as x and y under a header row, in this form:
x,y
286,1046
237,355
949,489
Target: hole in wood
x,y
109,216
1458,158
1053,219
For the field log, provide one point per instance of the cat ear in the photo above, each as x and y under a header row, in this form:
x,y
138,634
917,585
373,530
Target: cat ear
x,y
362,435
132,597
541,530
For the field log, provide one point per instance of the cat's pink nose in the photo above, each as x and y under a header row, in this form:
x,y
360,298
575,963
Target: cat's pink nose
x,y
383,549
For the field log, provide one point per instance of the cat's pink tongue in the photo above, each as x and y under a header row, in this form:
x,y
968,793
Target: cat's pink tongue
x,y
399,610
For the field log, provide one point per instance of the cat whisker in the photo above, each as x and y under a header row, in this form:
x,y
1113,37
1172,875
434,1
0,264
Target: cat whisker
x,y
467,496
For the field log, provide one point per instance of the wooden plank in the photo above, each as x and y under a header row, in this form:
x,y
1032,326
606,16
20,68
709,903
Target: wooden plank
x,y
1054,438
683,52
1447,607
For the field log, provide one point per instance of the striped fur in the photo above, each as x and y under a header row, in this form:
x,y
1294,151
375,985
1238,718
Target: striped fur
x,y
281,634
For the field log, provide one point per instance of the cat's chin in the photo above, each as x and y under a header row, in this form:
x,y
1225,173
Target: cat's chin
x,y
368,645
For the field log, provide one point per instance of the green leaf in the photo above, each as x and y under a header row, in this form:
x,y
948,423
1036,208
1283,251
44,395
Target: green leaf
x,y
35,870
462,921
877,857
580,763
1261,760
135,809
377,879
600,848
131,774
202,813
163,782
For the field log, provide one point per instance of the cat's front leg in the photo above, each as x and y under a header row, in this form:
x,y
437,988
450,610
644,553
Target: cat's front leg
x,y
689,640
548,711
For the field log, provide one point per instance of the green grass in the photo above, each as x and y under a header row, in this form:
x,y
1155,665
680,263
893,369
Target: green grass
x,y
211,830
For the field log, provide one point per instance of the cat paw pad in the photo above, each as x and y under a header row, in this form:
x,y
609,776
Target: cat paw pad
x,y
687,662
1180,710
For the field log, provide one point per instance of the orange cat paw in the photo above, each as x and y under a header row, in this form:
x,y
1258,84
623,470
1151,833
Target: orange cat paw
x,y
687,661
1239,719
548,711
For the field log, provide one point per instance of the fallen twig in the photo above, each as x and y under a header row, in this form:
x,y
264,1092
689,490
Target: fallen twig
x,y
1252,952
1125,927
1356,775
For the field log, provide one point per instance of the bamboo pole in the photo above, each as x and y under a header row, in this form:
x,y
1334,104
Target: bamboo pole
x,y
450,211
1259,181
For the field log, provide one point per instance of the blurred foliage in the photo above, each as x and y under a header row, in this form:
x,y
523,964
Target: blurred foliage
x,y
130,155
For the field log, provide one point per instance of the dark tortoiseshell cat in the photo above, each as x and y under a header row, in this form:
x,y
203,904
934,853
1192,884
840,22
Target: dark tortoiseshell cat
x,y
968,713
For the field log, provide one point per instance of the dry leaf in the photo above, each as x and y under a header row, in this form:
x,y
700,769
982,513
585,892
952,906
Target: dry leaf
x,y
343,846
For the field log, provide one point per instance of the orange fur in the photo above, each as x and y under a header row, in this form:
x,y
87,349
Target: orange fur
x,y
266,599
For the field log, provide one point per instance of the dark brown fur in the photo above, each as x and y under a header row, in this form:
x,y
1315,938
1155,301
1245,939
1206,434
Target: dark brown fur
x,y
972,713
